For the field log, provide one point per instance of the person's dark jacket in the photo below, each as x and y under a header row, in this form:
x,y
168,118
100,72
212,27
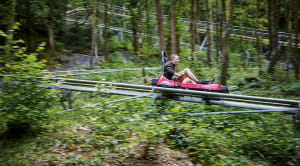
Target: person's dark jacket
x,y
169,70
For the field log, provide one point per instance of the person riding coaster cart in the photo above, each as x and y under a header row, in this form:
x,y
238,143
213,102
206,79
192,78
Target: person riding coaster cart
x,y
184,79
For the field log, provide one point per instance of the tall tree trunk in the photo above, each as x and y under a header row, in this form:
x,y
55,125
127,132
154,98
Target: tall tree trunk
x,y
273,15
106,36
225,50
208,33
11,22
288,28
296,23
174,39
219,30
192,29
50,28
188,9
196,8
194,18
28,30
258,37
159,18
93,52
51,40
297,56
135,11
148,27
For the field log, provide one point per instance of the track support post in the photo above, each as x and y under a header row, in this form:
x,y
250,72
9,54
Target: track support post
x,y
66,96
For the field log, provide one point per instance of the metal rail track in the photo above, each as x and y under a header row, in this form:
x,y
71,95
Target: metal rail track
x,y
260,104
85,72
244,33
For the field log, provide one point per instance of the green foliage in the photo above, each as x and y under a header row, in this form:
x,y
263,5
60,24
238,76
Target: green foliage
x,y
76,38
91,135
258,83
25,98
94,135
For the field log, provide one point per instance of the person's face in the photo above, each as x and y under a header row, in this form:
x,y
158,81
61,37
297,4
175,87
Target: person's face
x,y
176,60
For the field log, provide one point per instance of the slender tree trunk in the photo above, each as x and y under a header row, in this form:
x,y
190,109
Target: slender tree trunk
x,y
192,29
51,40
148,27
93,52
273,15
258,41
136,23
12,18
28,30
159,18
297,56
50,28
29,36
225,50
135,11
106,36
11,22
219,30
289,49
174,40
296,23
196,8
259,49
194,18
188,5
208,33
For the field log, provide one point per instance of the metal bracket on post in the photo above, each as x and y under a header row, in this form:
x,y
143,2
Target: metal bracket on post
x,y
66,96
153,98
297,118
62,101
207,101
69,98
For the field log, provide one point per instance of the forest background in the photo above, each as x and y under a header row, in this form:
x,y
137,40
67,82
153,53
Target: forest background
x,y
250,46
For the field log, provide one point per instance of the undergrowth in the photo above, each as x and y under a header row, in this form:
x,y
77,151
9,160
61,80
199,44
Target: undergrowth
x,y
105,134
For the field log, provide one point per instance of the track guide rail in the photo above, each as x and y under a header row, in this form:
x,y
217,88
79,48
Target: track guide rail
x,y
243,101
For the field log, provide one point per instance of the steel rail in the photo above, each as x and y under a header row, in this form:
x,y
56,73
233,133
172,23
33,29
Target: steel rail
x,y
122,11
231,104
260,102
236,35
249,111
102,103
100,70
259,107
83,72
186,92
250,32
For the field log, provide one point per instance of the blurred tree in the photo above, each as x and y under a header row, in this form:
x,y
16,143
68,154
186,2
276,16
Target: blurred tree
x,y
94,48
296,29
192,13
106,31
25,94
159,18
226,40
136,8
258,35
273,18
174,39
208,33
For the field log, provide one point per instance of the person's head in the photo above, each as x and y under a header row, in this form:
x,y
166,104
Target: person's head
x,y
175,59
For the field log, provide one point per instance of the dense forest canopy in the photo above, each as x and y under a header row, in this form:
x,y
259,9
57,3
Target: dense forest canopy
x,y
263,34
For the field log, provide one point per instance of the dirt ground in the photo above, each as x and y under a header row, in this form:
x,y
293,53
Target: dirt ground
x,y
160,156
